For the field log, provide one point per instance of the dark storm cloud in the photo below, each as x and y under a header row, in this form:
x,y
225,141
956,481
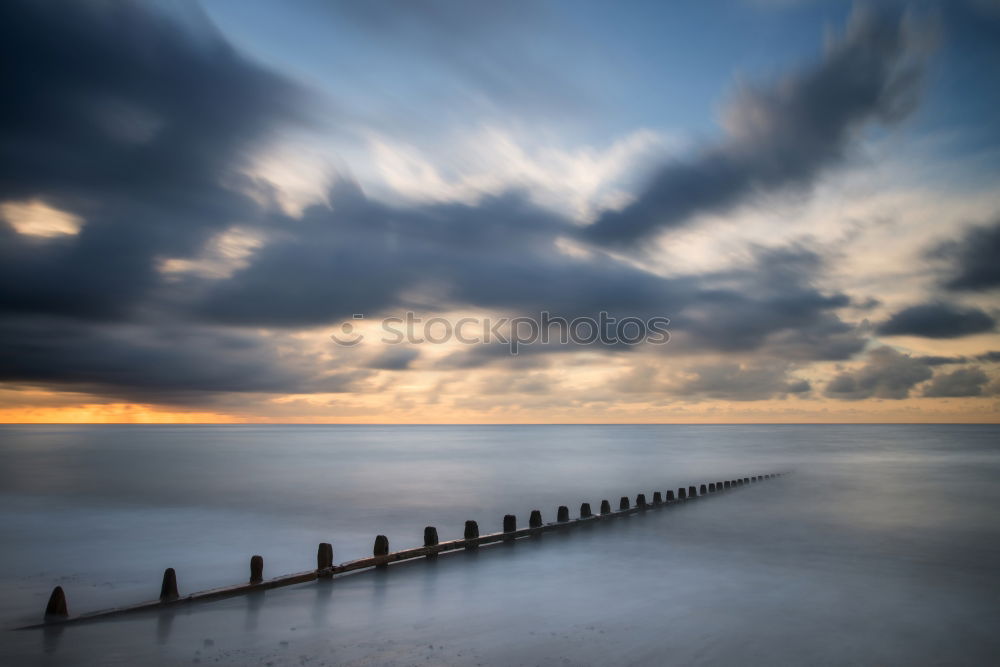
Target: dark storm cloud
x,y
363,256
887,374
959,383
394,359
992,356
784,135
937,320
153,364
140,127
137,124
776,305
741,382
942,361
975,259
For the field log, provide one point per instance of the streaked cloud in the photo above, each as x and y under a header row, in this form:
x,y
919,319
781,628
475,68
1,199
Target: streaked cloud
x,y
183,227
784,134
937,320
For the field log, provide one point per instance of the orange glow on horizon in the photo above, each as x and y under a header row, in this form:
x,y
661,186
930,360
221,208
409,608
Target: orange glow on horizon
x,y
714,413
110,413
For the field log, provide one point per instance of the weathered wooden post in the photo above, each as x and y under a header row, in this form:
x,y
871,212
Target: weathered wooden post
x,y
380,551
670,496
711,487
471,533
605,507
657,497
562,514
681,493
509,526
623,503
431,539
585,512
535,520
324,556
746,480
56,608
168,589
692,492
725,485
640,501
703,490
256,569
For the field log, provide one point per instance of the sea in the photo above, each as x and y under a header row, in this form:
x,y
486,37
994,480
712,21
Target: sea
x,y
879,545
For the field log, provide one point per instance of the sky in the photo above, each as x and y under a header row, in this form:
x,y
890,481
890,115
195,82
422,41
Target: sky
x,y
211,212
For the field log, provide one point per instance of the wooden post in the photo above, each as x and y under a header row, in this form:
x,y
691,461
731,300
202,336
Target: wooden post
x,y
670,495
746,480
657,497
509,526
56,608
324,556
562,514
605,507
168,589
431,539
256,569
381,550
585,512
535,520
711,487
471,533
640,500
623,503
725,485
682,493
703,490
692,492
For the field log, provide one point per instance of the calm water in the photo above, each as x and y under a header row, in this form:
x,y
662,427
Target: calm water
x,y
883,547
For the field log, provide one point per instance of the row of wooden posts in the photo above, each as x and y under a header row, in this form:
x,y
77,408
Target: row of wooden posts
x,y
56,611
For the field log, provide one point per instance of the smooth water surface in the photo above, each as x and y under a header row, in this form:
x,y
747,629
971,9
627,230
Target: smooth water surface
x,y
883,547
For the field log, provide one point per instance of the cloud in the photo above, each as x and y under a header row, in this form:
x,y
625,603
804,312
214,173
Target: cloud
x,y
740,382
135,125
502,255
181,278
958,383
394,359
174,364
937,320
783,135
975,259
887,374
934,360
